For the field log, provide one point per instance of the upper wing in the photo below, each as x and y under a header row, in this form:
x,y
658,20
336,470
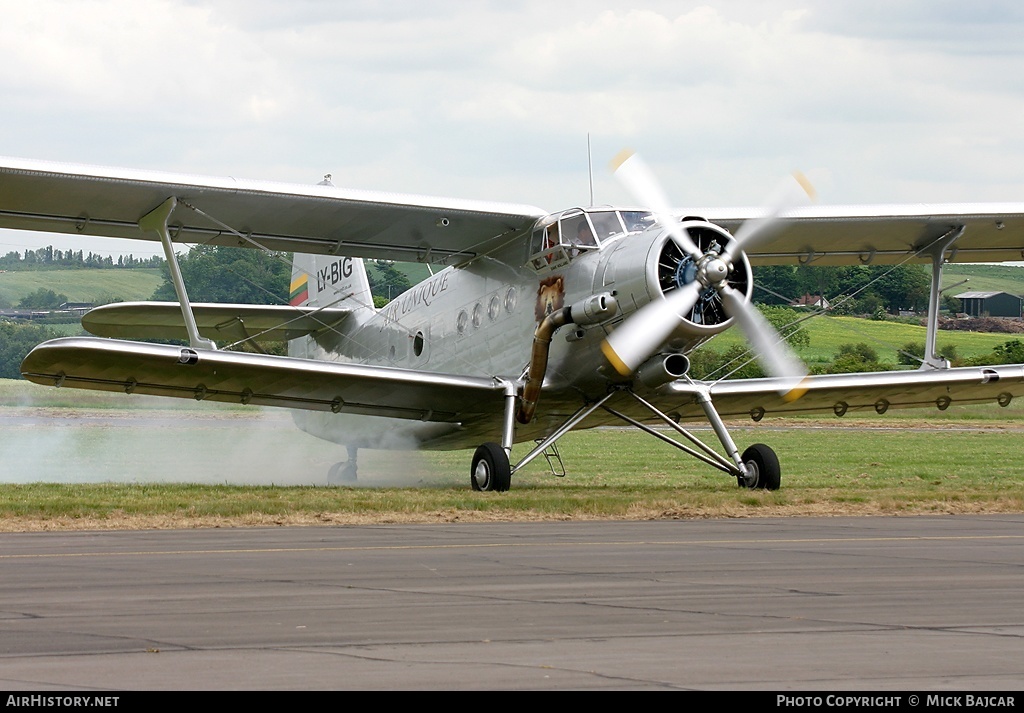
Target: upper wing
x,y
849,235
220,322
91,200
840,394
233,377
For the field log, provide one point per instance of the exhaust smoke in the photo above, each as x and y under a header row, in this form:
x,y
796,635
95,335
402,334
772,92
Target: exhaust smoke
x,y
62,436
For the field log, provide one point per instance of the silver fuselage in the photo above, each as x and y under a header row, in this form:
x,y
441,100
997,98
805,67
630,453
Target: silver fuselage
x,y
479,319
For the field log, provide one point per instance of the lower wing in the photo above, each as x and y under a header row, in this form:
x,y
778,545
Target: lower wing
x,y
235,377
875,391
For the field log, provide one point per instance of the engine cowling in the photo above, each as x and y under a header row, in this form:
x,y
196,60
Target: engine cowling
x,y
651,265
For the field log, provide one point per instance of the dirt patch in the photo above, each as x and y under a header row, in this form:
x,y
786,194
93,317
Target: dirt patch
x,y
998,325
737,510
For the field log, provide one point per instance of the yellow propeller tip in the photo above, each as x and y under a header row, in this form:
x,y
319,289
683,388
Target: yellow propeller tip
x,y
797,391
614,360
806,184
620,158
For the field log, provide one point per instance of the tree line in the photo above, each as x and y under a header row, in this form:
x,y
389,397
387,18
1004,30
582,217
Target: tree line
x,y
49,258
214,273
853,289
242,275
222,274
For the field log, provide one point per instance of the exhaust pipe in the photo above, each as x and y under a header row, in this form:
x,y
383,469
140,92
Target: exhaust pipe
x,y
663,368
592,310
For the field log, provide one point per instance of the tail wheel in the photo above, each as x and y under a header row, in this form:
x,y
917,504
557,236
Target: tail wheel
x,y
342,473
491,470
763,467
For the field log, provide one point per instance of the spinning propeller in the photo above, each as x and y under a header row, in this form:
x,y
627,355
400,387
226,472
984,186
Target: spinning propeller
x,y
643,333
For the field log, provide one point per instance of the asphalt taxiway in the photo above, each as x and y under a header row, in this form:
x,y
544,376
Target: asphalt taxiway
x,y
881,603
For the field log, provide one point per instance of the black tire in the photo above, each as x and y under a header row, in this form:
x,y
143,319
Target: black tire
x,y
764,468
490,470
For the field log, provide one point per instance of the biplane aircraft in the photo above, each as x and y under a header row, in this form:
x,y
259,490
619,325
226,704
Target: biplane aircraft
x,y
531,324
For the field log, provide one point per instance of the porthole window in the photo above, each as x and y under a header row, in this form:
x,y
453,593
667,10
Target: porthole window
x,y
493,308
461,322
510,300
478,314
417,344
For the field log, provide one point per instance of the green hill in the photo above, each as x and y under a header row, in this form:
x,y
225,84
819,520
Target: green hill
x,y
828,333
984,278
125,285
86,285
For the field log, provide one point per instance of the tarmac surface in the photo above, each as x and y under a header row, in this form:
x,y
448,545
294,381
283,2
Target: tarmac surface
x,y
880,603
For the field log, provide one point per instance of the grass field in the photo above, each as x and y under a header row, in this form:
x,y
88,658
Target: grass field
x,y
130,462
79,459
96,286
828,333
984,278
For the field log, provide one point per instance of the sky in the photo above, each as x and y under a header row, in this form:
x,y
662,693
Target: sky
x,y
876,101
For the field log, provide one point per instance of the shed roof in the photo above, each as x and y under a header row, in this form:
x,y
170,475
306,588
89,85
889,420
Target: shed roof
x,y
981,295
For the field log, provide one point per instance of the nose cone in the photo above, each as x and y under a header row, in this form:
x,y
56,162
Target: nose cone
x,y
716,270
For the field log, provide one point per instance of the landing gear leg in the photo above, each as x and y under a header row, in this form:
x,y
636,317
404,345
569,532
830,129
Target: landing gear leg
x,y
491,469
344,472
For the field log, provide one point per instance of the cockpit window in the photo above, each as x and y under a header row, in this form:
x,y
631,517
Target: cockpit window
x,y
548,247
636,221
608,224
562,237
580,232
551,238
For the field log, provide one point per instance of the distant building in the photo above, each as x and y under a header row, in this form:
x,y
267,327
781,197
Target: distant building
x,y
809,300
990,304
78,308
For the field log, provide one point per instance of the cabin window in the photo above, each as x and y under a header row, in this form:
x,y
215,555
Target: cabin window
x,y
511,297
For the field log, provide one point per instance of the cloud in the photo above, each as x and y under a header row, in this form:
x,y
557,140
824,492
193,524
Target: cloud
x,y
915,101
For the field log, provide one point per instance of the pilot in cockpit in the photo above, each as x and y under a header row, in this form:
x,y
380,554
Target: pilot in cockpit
x,y
551,236
584,235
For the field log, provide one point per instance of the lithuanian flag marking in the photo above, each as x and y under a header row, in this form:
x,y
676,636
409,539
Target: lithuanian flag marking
x,y
299,290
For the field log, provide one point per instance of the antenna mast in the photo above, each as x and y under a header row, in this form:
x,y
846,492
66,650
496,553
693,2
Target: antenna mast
x,y
590,170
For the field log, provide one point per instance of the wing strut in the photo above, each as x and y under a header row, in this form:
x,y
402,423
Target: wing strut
x,y
937,250
156,221
581,413
738,467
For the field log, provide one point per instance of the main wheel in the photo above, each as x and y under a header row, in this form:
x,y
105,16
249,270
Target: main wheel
x,y
763,464
491,470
